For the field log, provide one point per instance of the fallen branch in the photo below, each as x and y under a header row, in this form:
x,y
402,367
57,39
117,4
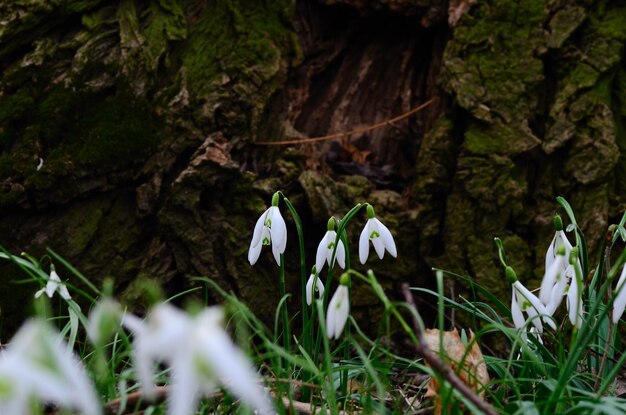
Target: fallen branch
x,y
360,130
440,366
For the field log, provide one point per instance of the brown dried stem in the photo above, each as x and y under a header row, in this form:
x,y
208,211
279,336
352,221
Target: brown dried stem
x,y
439,365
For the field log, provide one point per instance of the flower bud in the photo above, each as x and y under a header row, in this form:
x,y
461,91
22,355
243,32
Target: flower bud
x,y
345,279
331,224
511,276
558,222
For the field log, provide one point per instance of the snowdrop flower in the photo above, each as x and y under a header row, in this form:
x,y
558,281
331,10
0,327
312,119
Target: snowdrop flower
x,y
554,282
523,301
270,229
574,291
54,284
338,309
38,365
104,320
380,236
199,353
314,283
619,303
559,239
327,246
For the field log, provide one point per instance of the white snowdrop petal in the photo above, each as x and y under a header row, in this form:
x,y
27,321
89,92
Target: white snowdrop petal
x,y
387,238
278,229
258,230
341,255
516,311
276,252
234,370
309,290
379,247
549,279
364,244
321,255
620,298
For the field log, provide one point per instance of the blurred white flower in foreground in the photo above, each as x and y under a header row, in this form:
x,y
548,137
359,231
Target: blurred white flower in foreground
x,y
380,236
53,285
270,229
199,353
37,365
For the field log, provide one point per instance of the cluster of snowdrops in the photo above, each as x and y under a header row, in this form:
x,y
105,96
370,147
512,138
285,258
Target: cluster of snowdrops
x,y
39,365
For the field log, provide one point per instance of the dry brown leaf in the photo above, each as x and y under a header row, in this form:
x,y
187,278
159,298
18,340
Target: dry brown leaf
x,y
469,365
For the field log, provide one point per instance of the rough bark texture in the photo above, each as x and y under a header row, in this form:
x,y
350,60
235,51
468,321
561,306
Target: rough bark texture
x,y
146,114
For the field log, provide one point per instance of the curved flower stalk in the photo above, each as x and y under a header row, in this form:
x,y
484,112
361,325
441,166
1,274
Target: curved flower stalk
x,y
199,353
270,229
338,309
619,303
380,236
327,246
53,285
314,283
38,365
523,301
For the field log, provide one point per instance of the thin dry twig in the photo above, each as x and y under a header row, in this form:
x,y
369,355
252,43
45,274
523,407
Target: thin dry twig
x,y
359,130
438,365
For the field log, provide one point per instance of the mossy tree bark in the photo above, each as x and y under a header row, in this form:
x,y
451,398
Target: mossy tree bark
x,y
128,132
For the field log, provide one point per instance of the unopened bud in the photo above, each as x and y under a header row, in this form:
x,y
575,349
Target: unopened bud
x,y
558,222
511,276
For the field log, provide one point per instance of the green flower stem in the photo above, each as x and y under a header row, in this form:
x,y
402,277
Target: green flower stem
x,y
303,273
346,345
283,294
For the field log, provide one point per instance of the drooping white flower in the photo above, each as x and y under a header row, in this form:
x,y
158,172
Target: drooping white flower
x,y
523,301
199,353
327,246
574,290
554,282
270,229
338,309
380,236
314,283
619,303
38,365
574,303
103,321
559,239
53,285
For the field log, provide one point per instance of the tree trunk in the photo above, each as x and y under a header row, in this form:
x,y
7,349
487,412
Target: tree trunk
x,y
131,134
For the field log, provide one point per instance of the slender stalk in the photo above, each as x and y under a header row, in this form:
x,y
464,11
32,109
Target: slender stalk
x,y
285,312
609,294
330,389
303,270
